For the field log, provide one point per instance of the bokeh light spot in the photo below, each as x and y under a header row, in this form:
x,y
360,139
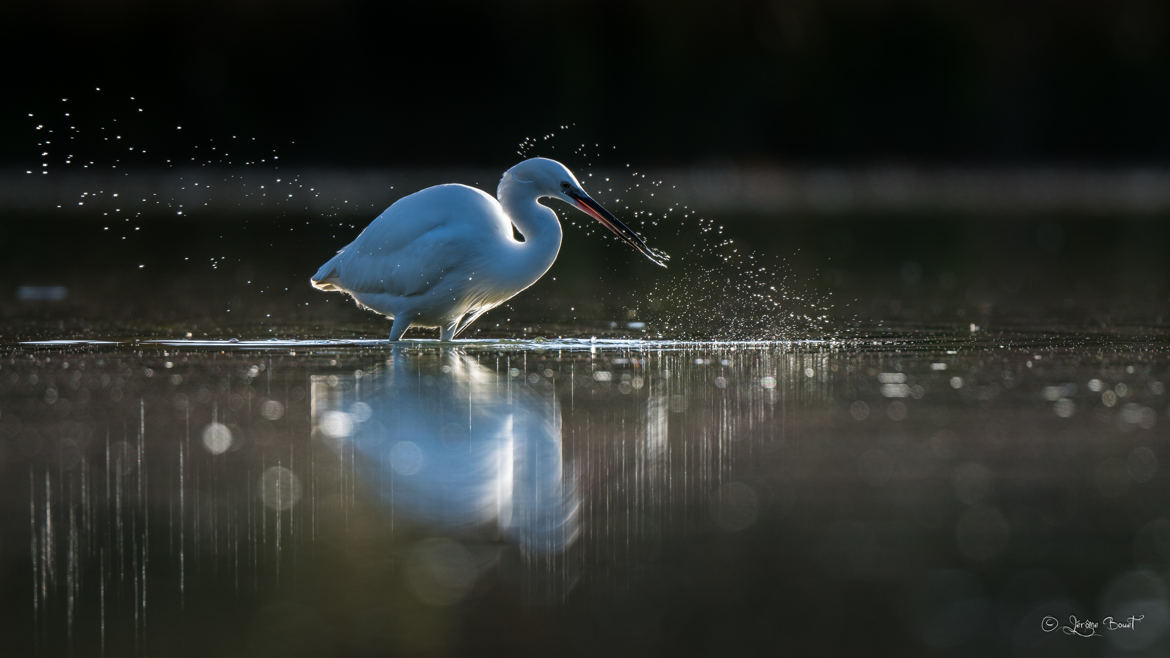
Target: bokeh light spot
x,y
280,488
217,438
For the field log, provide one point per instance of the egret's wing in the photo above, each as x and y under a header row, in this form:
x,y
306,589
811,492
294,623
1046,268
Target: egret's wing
x,y
408,270
417,242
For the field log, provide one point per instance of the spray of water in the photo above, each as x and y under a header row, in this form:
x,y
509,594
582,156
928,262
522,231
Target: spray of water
x,y
716,287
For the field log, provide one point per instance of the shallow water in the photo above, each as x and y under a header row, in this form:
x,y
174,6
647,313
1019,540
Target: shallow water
x,y
890,494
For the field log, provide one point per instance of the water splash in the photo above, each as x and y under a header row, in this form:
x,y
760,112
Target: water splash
x,y
717,287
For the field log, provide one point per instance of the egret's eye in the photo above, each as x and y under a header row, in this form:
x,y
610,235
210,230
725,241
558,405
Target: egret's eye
x,y
565,186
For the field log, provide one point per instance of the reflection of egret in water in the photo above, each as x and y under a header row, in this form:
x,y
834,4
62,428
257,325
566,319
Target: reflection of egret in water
x,y
451,444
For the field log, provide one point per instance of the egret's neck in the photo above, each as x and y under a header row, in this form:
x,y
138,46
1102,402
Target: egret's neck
x,y
540,228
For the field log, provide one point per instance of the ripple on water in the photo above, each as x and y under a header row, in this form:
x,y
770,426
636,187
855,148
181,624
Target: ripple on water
x,y
473,344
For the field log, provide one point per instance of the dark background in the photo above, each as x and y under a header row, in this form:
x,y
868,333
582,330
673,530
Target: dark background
x,y
377,99
837,82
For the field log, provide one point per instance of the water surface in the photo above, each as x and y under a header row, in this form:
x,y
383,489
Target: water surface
x,y
905,493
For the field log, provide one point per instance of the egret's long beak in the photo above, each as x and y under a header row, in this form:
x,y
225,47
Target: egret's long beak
x,y
596,211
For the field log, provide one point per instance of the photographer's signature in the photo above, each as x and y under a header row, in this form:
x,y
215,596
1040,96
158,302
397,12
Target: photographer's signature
x,y
1088,627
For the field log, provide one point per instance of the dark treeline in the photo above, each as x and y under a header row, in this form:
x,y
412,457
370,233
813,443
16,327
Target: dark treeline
x,y
790,81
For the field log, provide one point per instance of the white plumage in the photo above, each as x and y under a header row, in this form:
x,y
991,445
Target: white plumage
x,y
443,256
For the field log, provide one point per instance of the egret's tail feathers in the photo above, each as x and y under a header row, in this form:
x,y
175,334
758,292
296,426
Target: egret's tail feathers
x,y
326,278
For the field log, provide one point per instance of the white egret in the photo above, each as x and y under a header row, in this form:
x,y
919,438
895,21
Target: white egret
x,y
445,255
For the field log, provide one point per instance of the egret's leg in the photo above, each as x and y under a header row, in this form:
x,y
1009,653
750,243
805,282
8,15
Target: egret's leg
x,y
447,333
401,324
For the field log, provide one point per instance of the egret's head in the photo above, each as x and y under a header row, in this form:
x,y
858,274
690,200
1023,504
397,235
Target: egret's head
x,y
549,178
546,178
